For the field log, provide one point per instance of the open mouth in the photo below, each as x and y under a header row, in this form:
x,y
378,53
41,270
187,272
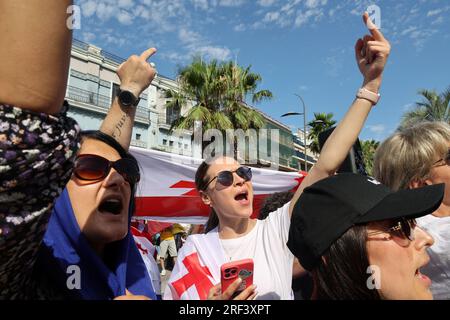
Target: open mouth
x,y
113,206
242,197
420,276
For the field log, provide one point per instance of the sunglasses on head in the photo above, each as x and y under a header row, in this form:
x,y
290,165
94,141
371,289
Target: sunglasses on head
x,y
402,231
226,178
92,167
443,161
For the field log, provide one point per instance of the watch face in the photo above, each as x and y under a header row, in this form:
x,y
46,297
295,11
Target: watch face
x,y
126,98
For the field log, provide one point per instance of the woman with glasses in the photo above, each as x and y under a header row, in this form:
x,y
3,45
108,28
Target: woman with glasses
x,y
88,250
360,240
226,187
422,157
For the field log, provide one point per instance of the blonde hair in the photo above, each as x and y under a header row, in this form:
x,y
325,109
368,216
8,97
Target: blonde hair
x,y
409,154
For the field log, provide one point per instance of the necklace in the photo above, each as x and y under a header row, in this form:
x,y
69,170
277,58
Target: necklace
x,y
241,247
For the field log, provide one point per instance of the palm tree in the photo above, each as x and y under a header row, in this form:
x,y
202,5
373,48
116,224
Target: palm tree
x,y
369,148
433,107
321,122
218,92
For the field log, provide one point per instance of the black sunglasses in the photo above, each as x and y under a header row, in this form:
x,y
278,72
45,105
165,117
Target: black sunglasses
x,y
92,167
446,159
226,178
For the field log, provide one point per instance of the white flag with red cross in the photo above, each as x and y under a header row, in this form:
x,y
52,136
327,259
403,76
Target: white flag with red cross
x,y
147,251
167,191
197,269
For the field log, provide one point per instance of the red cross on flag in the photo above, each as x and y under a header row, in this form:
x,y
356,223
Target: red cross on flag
x,y
197,269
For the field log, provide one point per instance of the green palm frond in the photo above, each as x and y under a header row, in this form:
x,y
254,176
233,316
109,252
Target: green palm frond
x,y
220,121
261,96
321,122
432,107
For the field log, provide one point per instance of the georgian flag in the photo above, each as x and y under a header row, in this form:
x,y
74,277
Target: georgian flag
x,y
195,274
147,251
167,193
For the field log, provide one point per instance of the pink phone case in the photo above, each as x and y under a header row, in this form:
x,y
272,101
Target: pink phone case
x,y
232,270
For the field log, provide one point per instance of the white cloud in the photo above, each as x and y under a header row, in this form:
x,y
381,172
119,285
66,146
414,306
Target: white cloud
x,y
303,18
124,17
377,128
231,3
202,4
88,8
88,37
266,3
105,11
315,3
408,30
438,20
219,53
125,3
271,16
196,44
240,27
175,57
433,12
189,37
303,88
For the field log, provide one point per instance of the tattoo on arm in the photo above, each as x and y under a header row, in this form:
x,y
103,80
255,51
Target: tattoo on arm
x,y
118,129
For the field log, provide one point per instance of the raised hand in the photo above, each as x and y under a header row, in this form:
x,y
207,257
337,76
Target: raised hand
x,y
372,52
136,74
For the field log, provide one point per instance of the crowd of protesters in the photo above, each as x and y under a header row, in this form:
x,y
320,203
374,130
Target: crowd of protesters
x,y
67,197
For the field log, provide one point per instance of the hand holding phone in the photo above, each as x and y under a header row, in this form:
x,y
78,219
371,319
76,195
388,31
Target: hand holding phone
x,y
231,271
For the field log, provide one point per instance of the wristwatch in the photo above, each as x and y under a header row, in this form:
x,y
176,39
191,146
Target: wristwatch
x,y
363,93
127,98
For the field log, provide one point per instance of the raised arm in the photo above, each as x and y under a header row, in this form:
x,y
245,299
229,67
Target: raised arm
x,y
135,76
371,55
35,47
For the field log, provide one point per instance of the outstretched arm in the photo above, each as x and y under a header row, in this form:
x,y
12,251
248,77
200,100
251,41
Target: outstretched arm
x,y
371,55
135,75
35,47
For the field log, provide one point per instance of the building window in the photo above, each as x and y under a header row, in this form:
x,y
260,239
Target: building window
x,y
165,142
170,143
115,88
138,136
172,114
180,145
185,146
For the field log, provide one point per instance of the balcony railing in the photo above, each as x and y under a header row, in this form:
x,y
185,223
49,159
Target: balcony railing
x,y
80,44
88,97
112,57
101,101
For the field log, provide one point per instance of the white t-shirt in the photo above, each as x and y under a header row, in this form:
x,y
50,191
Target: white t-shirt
x,y
266,245
439,267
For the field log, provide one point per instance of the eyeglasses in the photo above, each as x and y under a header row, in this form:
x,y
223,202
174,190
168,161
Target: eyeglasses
x,y
446,160
226,178
402,231
92,167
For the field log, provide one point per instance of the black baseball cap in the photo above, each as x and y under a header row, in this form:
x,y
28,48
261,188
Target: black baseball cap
x,y
328,208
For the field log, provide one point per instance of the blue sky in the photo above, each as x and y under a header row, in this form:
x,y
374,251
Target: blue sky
x,y
298,46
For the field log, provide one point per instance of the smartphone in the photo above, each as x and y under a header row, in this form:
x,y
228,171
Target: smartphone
x,y
354,162
230,271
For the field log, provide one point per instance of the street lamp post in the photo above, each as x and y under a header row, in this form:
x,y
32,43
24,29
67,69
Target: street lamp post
x,y
304,127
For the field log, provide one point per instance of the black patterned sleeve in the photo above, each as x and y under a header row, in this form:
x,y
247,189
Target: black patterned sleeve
x,y
36,157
